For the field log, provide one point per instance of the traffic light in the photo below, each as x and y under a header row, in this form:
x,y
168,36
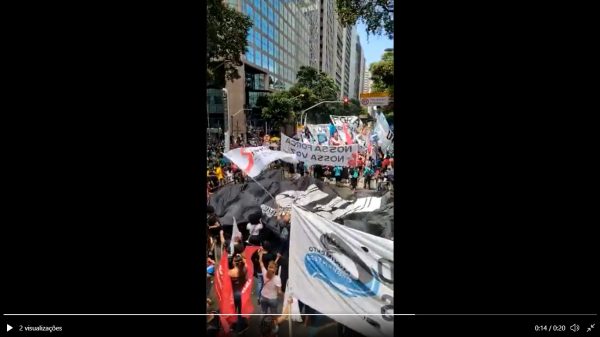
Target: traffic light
x,y
346,100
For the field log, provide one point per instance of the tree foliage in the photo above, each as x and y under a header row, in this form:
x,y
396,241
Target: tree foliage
x,y
315,86
382,73
377,15
312,87
227,30
279,109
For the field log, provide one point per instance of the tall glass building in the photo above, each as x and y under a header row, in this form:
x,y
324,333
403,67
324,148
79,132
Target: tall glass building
x,y
286,35
278,45
279,40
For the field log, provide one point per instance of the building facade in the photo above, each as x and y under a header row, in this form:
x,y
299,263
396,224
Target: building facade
x,y
278,45
356,66
285,36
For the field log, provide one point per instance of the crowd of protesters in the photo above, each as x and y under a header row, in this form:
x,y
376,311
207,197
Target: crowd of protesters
x,y
374,168
269,264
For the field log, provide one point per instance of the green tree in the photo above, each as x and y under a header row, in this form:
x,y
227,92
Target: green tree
x,y
377,15
353,108
382,74
315,86
227,30
279,109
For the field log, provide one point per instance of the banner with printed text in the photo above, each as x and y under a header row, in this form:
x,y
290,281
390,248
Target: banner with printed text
x,y
319,154
338,270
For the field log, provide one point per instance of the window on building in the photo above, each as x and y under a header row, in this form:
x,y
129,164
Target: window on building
x,y
271,17
257,40
258,58
271,65
265,62
265,45
264,8
271,49
271,33
257,5
263,24
250,55
251,35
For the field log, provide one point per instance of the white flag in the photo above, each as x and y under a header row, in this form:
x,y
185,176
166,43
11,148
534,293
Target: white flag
x,y
385,136
253,160
234,234
338,270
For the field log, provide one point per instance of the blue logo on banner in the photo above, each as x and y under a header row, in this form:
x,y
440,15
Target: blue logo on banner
x,y
321,267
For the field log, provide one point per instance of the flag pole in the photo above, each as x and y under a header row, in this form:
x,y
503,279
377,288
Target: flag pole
x,y
261,186
287,284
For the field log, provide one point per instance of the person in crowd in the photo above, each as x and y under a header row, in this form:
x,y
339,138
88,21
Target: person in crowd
x,y
238,279
266,141
210,262
212,178
300,168
267,257
385,163
213,325
367,174
354,177
254,228
220,175
283,221
214,226
269,326
335,140
327,173
313,320
389,176
337,173
271,287
210,211
228,175
308,136
378,179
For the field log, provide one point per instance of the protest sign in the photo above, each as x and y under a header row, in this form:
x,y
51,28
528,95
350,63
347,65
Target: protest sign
x,y
318,154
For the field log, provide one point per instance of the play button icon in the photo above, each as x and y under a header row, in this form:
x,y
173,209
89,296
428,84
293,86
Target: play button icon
x,y
8,328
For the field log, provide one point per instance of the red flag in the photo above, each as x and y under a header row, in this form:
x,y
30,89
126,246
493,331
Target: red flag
x,y
224,291
247,306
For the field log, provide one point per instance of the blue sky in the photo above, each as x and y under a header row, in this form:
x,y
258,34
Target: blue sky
x,y
375,47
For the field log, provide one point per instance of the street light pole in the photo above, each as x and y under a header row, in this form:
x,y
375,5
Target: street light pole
x,y
305,110
230,126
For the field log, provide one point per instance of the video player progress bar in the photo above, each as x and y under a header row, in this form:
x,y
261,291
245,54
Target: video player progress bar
x,y
303,315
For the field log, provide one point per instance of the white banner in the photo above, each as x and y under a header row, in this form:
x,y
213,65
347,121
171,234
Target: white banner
x,y
338,270
253,160
318,154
